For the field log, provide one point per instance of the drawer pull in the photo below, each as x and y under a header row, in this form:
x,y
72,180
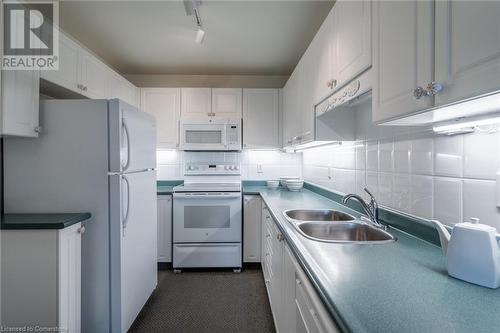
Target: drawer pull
x,y
81,230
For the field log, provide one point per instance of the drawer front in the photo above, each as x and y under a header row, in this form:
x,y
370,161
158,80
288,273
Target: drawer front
x,y
207,255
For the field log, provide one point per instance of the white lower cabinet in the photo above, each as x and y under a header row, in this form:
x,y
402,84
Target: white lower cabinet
x,y
252,210
41,278
294,302
164,206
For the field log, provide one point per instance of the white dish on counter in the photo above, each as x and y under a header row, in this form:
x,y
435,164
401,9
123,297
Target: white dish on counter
x,y
273,184
295,184
284,179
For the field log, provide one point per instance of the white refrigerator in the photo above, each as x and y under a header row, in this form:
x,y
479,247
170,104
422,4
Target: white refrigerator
x,y
96,156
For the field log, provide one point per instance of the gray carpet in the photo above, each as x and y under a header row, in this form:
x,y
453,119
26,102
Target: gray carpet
x,y
219,301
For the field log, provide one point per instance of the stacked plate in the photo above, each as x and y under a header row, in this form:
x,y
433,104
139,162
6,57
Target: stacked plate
x,y
292,183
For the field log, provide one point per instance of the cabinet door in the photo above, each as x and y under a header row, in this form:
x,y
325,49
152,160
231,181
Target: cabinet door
x,y
252,217
226,102
352,29
119,87
20,99
165,105
196,102
164,206
277,276
67,75
403,56
467,49
69,277
92,76
261,118
288,291
291,108
322,53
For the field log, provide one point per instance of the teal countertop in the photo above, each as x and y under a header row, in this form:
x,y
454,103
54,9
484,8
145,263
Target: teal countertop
x,y
397,287
165,187
41,221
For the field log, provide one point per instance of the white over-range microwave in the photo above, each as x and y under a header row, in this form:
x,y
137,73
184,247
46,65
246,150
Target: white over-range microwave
x,y
215,134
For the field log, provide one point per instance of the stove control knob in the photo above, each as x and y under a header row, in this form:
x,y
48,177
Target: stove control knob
x,y
237,167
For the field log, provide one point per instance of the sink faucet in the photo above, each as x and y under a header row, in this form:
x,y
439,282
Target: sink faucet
x,y
370,209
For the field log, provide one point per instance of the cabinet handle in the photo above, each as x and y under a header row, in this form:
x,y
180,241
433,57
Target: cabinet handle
x,y
38,129
81,230
298,282
434,88
334,83
420,92
267,281
84,88
280,237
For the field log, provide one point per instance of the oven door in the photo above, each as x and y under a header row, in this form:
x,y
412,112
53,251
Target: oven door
x,y
203,137
208,217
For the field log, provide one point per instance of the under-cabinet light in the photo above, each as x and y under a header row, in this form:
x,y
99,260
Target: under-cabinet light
x,y
465,126
316,144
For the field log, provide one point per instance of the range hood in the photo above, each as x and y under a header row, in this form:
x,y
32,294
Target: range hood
x,y
468,110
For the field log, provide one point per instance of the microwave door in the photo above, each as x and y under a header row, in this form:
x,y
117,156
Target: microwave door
x,y
202,137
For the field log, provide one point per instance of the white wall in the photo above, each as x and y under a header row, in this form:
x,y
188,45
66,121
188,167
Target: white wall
x,y
446,178
255,165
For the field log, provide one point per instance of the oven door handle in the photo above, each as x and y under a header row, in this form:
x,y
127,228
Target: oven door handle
x,y
208,195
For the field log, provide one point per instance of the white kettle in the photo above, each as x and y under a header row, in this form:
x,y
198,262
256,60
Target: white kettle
x,y
472,251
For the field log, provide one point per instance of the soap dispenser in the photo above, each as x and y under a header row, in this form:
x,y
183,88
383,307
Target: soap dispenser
x,y
472,251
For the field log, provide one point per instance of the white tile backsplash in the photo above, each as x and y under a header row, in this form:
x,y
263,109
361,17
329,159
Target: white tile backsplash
x,y
361,157
421,194
479,201
385,189
480,155
448,200
448,178
402,156
372,156
255,165
401,198
421,156
448,155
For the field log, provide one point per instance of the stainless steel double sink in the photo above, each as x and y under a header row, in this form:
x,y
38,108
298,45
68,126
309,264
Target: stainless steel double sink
x,y
328,225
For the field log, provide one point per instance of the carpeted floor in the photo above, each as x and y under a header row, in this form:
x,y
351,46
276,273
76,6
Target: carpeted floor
x,y
195,301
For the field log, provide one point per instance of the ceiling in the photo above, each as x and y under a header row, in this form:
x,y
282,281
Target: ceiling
x,y
157,37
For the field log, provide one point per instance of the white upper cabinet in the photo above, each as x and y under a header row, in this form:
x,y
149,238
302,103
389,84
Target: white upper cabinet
x,y
261,118
67,76
20,99
291,107
119,87
227,102
165,105
196,102
467,49
403,56
352,35
322,54
431,54
92,76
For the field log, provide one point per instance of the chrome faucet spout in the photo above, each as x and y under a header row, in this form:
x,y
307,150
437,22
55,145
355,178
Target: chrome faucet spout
x,y
370,209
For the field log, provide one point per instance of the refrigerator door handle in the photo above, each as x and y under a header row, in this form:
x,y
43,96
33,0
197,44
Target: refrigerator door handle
x,y
126,214
127,135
